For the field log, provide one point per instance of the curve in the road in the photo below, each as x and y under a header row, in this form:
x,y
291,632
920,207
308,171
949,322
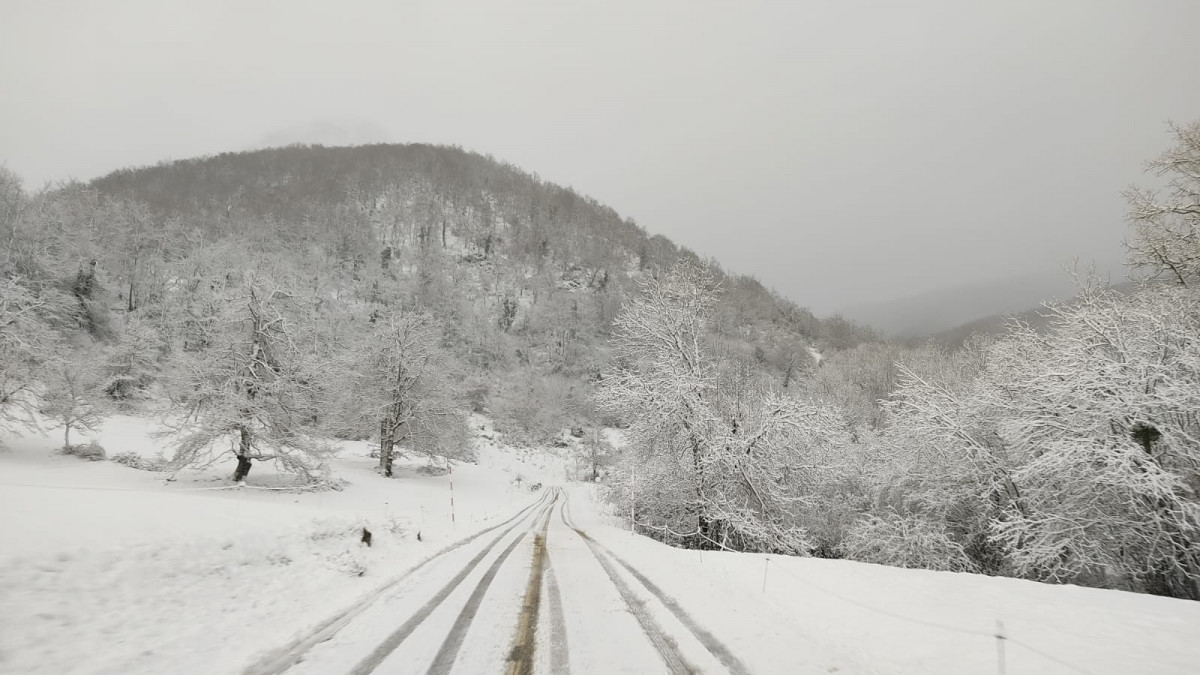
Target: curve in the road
x,y
392,641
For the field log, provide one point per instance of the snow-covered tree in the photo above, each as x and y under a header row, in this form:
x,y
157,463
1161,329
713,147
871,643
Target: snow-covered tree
x,y
660,383
717,457
596,452
131,364
1166,223
12,204
73,389
134,239
254,384
858,380
1104,412
397,381
26,345
534,408
1068,454
941,460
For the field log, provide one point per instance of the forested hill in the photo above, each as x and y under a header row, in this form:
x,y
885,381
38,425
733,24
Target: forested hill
x,y
407,201
522,277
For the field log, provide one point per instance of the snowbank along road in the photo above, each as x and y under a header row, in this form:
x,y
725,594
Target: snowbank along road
x,y
533,594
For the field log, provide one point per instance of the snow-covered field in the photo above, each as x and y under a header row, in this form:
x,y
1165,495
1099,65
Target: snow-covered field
x,y
787,615
107,569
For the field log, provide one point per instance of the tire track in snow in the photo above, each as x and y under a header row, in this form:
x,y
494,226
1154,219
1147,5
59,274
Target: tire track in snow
x,y
520,657
281,659
710,642
707,639
667,649
559,663
392,641
444,660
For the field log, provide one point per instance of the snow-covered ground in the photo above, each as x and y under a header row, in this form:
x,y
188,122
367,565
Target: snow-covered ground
x,y
107,569
794,615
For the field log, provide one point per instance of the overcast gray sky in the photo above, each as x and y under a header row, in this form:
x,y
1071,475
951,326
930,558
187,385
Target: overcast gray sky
x,y
840,151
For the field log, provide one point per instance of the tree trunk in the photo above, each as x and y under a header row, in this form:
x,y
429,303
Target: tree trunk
x,y
130,306
243,456
387,446
67,437
704,526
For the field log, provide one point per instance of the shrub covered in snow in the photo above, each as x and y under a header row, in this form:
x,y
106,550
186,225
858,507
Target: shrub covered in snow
x,y
905,541
433,470
93,451
351,562
136,461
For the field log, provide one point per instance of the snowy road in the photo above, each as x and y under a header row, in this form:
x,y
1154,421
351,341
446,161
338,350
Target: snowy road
x,y
534,594
111,570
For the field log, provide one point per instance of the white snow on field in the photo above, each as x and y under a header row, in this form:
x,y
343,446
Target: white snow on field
x,y
107,569
796,615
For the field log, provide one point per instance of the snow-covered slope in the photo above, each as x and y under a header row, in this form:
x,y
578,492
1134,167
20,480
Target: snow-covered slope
x,y
792,615
110,569
107,569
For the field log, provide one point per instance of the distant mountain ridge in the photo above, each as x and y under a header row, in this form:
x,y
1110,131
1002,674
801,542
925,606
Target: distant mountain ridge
x,y
996,324
943,310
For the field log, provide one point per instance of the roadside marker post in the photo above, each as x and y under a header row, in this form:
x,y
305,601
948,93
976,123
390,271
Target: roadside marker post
x,y
1000,647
